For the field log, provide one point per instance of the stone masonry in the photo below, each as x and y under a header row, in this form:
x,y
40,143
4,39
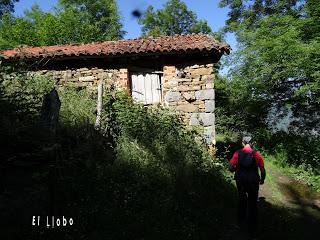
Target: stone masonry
x,y
88,77
190,91
187,90
186,61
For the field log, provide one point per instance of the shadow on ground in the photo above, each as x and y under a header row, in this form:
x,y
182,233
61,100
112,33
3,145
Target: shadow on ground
x,y
287,223
153,182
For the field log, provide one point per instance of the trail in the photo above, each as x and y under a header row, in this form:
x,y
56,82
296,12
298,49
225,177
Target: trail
x,y
283,190
288,209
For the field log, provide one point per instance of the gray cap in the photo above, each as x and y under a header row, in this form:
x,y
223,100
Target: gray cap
x,y
247,140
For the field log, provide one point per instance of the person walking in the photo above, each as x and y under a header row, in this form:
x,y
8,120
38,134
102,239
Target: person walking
x,y
245,163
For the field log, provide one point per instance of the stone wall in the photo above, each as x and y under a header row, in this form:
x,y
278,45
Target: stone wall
x,y
88,77
190,91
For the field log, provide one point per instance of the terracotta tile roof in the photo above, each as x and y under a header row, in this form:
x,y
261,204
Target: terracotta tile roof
x,y
123,47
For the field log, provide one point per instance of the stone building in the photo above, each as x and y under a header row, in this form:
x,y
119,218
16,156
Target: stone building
x,y
174,71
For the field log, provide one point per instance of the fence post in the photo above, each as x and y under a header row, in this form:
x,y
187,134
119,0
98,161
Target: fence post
x,y
99,105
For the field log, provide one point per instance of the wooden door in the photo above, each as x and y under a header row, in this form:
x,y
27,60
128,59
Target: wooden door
x,y
146,88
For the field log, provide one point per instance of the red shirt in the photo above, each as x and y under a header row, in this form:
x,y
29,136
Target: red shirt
x,y
247,148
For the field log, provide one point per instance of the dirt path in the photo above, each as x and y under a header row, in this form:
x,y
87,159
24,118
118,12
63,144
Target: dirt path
x,y
281,189
288,209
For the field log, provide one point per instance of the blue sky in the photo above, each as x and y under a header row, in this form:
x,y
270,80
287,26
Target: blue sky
x,y
205,9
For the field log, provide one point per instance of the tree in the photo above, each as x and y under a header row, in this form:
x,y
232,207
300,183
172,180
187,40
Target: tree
x,y
100,16
7,6
247,13
174,18
81,21
278,57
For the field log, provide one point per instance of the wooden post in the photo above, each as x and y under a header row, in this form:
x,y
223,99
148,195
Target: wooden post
x,y
99,105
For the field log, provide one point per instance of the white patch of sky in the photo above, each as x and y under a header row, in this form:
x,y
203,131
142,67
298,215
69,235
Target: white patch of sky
x,y
280,119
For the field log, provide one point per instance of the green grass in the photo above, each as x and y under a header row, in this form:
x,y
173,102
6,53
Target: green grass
x,y
301,173
143,177
271,181
304,175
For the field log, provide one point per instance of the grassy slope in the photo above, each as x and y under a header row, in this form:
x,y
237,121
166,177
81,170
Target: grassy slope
x,y
300,173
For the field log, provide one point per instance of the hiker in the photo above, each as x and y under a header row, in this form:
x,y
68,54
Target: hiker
x,y
245,163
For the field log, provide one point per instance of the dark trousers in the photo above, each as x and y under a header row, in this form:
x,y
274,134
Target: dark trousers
x,y
248,203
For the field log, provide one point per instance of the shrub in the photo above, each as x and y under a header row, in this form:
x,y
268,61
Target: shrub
x,y
143,176
299,149
22,94
227,144
77,106
157,130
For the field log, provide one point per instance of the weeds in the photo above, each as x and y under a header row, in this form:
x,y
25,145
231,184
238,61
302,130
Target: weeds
x,y
142,176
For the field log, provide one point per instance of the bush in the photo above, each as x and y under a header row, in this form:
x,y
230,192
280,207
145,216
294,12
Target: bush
x,y
157,130
298,155
154,182
227,144
142,176
22,94
77,106
299,149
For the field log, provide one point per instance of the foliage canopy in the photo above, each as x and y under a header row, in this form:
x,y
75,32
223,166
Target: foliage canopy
x,y
81,21
7,6
277,63
174,18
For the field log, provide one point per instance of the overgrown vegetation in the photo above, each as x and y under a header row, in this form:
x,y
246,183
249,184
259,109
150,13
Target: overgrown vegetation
x,y
296,155
272,89
275,68
143,176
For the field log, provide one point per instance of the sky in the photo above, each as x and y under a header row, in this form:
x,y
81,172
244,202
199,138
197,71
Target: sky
x,y
205,9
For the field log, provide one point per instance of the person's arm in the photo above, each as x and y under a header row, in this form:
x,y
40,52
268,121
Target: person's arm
x,y
260,164
233,162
